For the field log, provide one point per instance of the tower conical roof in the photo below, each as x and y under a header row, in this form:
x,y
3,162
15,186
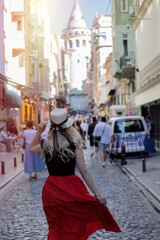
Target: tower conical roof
x,y
76,19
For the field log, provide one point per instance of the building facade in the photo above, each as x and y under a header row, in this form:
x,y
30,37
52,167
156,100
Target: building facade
x,y
77,42
102,41
147,42
123,52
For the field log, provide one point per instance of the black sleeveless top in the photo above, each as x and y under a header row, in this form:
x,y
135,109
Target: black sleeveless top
x,y
56,166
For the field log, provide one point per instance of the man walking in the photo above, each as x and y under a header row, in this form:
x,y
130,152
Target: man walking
x,y
104,131
150,125
90,134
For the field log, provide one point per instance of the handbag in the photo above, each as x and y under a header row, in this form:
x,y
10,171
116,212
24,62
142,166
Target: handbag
x,y
98,138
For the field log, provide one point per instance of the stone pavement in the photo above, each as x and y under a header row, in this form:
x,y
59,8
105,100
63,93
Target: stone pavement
x,y
150,179
22,216
7,158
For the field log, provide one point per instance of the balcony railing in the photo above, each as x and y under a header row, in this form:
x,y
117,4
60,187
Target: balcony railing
x,y
130,58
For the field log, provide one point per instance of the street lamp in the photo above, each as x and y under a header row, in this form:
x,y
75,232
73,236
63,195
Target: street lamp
x,y
135,19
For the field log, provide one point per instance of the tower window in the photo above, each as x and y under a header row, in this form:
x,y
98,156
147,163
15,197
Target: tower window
x,y
84,43
65,45
77,43
70,44
78,61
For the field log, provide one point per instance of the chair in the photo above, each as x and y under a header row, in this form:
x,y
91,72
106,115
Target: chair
x,y
3,147
18,143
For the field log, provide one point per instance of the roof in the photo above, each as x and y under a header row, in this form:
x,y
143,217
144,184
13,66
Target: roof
x,y
76,19
125,117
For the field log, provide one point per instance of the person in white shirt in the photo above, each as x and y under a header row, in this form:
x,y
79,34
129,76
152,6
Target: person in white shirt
x,y
33,162
3,137
103,130
84,126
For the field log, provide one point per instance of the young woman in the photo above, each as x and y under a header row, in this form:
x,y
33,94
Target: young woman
x,y
71,212
33,163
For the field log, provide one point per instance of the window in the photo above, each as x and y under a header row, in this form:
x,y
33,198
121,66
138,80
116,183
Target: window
x,y
124,5
125,45
126,126
65,45
33,69
78,61
70,44
77,43
22,60
122,99
19,25
84,43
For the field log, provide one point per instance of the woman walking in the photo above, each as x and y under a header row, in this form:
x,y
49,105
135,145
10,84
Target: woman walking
x,y
71,212
33,162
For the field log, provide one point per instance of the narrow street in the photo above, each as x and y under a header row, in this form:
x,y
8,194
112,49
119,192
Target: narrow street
x,y
22,216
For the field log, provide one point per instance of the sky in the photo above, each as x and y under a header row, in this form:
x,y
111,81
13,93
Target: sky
x,y
60,10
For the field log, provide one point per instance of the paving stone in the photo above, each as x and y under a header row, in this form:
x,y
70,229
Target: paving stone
x,y
22,216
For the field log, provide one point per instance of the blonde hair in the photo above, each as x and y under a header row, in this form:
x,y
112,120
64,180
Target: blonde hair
x,y
56,141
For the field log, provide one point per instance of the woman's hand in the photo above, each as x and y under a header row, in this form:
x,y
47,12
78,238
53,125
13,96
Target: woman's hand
x,y
42,126
102,200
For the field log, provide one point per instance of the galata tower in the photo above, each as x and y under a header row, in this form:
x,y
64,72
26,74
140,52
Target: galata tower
x,y
77,41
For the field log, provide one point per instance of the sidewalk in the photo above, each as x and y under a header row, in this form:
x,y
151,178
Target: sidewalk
x,y
150,179
10,171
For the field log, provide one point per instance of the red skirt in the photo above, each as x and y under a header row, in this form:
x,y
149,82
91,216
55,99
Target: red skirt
x,y
71,212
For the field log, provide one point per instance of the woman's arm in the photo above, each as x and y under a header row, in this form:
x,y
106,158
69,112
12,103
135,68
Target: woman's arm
x,y
87,176
35,146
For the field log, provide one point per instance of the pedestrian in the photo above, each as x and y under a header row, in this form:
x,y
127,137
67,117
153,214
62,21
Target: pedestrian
x,y
81,132
150,125
71,212
84,126
3,138
104,132
13,130
90,134
33,162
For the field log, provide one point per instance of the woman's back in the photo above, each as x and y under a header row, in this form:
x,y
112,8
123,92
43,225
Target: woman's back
x,y
29,135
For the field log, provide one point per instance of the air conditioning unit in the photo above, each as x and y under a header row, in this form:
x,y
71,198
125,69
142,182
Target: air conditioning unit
x,y
132,11
35,53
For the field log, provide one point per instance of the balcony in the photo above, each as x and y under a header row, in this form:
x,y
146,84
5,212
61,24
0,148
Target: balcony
x,y
127,67
128,59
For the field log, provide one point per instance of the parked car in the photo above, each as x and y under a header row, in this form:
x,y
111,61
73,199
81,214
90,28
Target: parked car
x,y
129,131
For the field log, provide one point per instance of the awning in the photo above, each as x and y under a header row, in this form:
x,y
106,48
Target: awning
x,y
3,78
13,99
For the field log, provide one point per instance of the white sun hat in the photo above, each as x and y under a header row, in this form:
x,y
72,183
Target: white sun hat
x,y
59,118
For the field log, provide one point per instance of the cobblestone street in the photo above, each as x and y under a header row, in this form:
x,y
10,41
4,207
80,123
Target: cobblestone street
x,y
22,216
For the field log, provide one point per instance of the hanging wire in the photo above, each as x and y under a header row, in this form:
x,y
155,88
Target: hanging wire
x,y
108,6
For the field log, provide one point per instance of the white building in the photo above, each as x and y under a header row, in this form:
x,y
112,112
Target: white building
x,y
102,29
147,43
77,39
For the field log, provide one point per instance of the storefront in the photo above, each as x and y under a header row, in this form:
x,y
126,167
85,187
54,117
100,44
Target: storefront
x,y
28,110
3,108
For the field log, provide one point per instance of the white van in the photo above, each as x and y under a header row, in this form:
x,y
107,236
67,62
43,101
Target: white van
x,y
129,131
116,110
